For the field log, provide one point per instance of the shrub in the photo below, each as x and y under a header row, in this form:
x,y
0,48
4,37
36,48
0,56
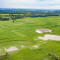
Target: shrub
x,y
50,54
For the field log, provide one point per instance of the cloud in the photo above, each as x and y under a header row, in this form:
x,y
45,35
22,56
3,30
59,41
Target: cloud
x,y
34,4
32,7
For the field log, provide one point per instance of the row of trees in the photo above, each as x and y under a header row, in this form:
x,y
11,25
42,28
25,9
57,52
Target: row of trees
x,y
13,17
53,14
4,18
18,16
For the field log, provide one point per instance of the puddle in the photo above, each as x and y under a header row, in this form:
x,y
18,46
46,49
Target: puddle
x,y
44,42
39,31
36,46
52,37
39,41
22,46
11,49
43,31
35,39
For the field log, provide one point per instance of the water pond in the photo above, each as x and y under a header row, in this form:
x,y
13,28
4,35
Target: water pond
x,y
11,49
51,37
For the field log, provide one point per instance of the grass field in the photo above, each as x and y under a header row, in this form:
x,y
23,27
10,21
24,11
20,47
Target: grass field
x,y
22,33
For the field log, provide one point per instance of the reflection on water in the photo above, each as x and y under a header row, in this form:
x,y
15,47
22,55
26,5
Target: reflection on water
x,y
52,37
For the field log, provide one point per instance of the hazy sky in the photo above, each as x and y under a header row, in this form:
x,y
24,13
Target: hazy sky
x,y
31,4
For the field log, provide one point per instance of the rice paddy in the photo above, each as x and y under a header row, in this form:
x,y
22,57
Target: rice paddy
x,y
22,35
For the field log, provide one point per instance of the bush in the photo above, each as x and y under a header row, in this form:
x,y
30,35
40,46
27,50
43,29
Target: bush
x,y
5,19
53,56
4,56
50,54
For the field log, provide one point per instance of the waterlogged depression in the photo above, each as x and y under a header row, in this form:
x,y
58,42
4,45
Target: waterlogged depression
x,y
43,31
36,46
11,49
48,36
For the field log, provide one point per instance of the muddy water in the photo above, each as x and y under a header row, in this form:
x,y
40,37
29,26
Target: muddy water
x,y
52,37
36,46
11,49
39,31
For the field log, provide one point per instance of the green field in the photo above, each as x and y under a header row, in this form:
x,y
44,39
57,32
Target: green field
x,y
22,33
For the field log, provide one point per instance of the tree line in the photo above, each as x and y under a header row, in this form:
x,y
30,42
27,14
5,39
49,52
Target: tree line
x,y
21,13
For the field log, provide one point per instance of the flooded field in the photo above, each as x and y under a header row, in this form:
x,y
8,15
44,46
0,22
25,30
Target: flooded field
x,y
36,46
43,31
51,37
11,49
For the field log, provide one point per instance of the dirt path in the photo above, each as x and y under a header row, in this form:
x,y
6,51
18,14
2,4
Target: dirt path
x,y
18,33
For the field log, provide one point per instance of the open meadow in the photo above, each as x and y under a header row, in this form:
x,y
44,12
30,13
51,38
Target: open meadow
x,y
23,36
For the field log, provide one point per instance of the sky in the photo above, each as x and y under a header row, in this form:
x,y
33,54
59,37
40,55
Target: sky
x,y
30,4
